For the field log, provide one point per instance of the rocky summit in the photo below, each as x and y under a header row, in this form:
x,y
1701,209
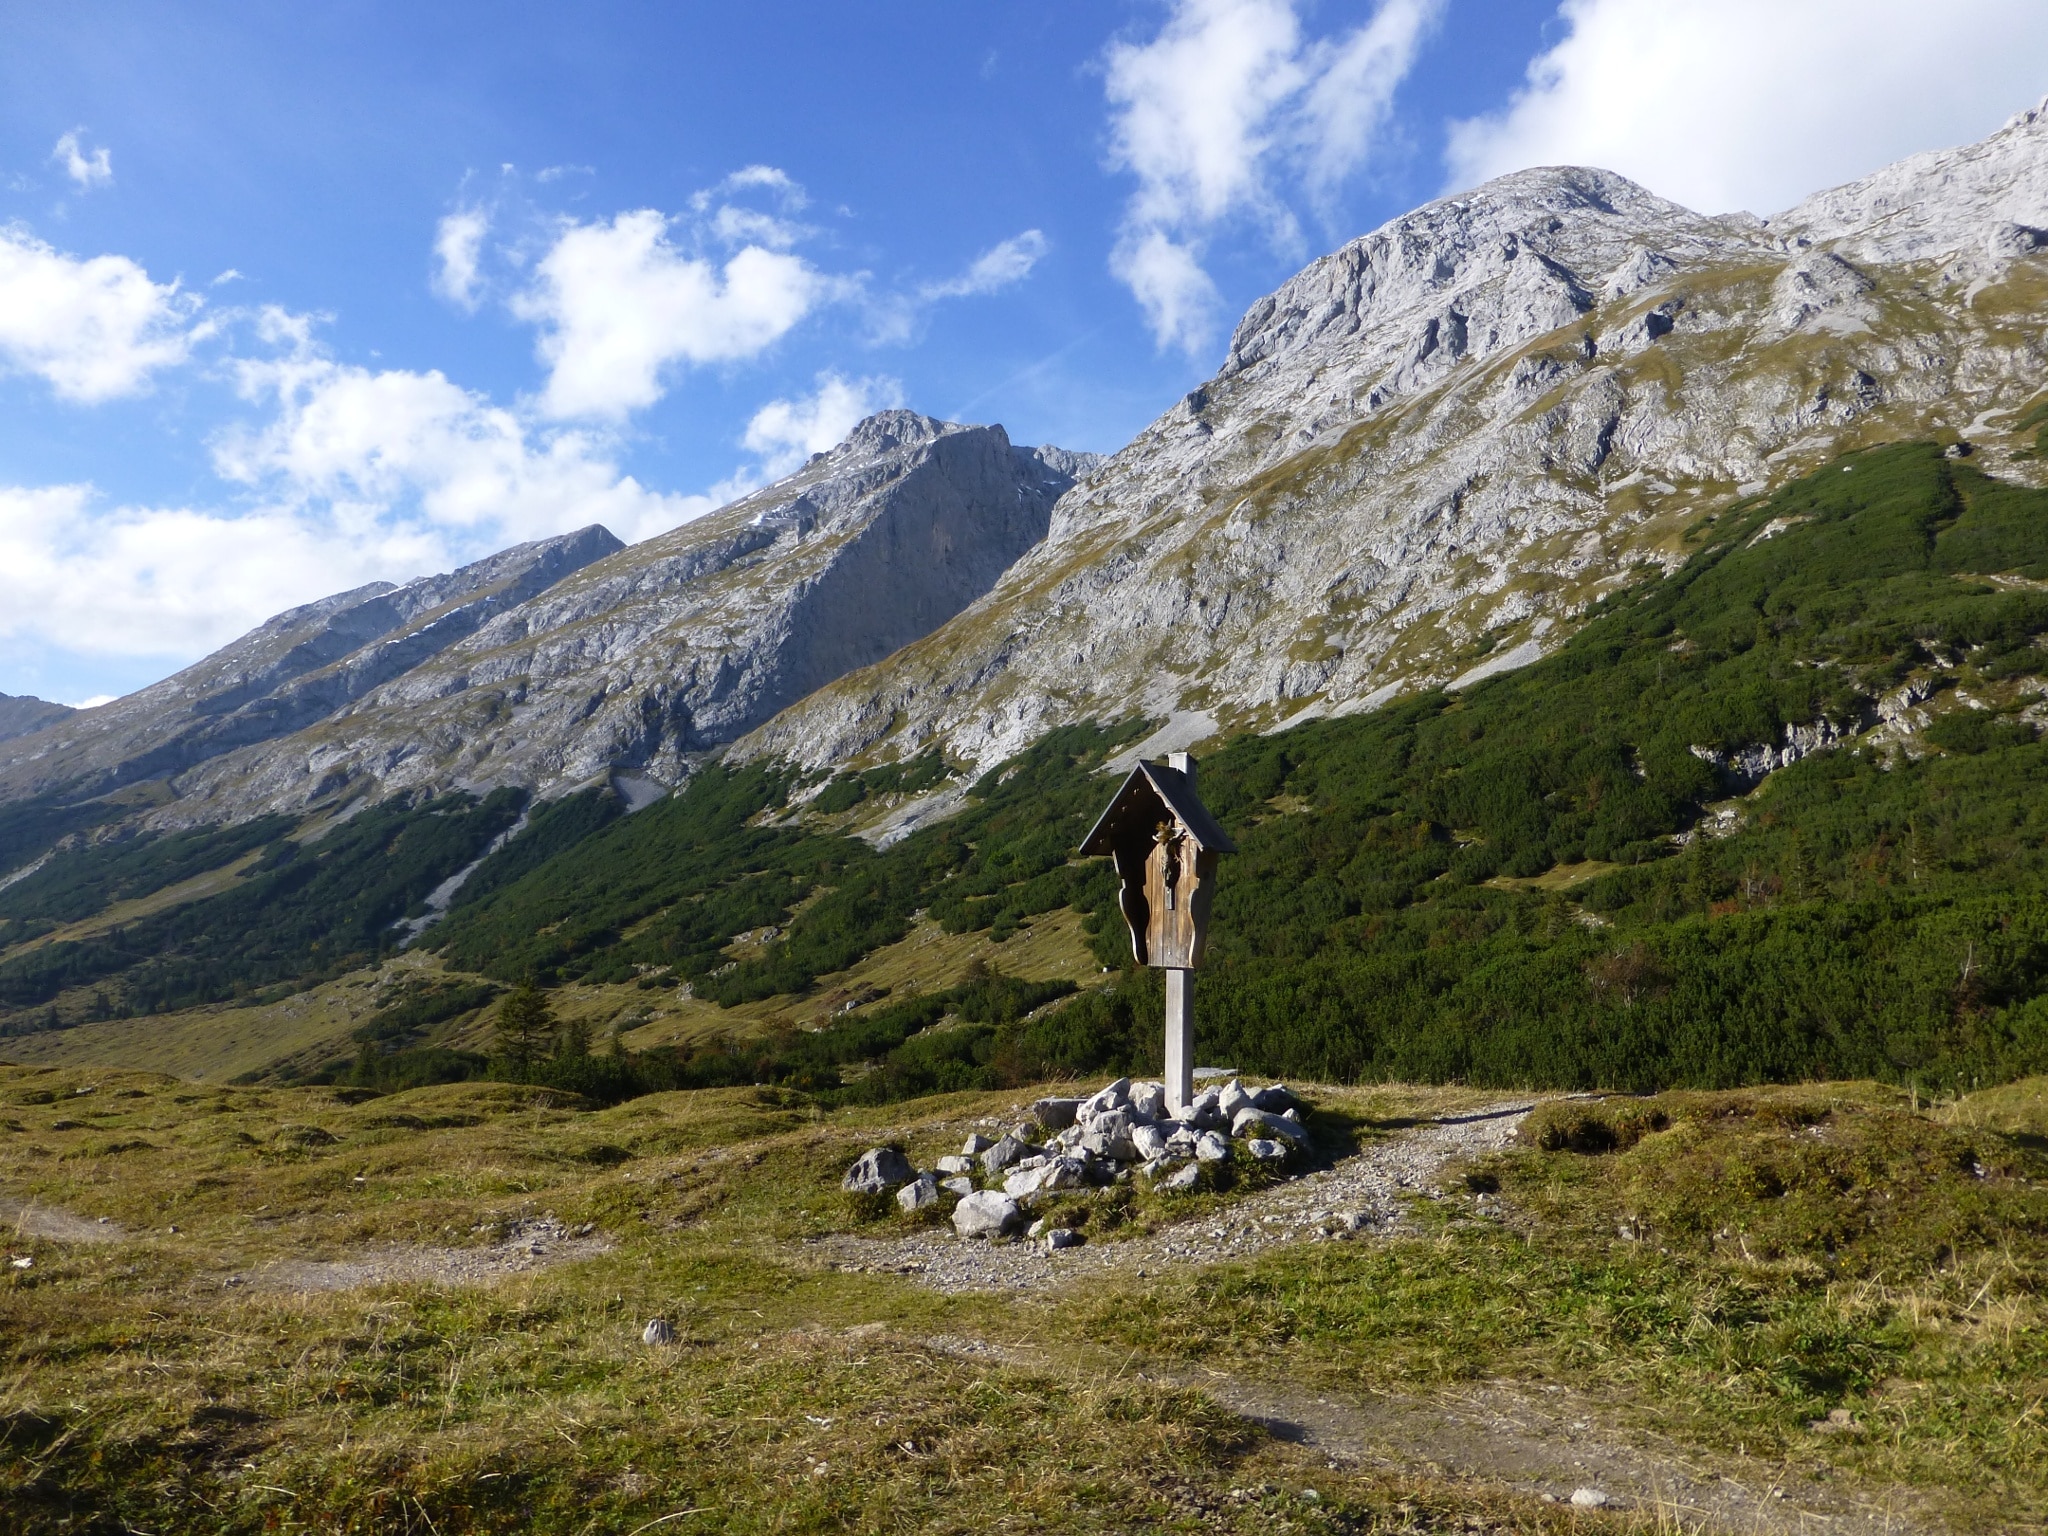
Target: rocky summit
x,y
1431,450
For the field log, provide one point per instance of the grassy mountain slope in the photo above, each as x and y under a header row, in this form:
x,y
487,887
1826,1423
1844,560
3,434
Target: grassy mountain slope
x,y
1567,874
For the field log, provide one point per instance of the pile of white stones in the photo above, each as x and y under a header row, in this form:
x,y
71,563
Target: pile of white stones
x,y
1093,1142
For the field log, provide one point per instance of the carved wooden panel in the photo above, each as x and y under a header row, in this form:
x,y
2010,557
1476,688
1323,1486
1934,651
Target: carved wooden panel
x,y
1180,882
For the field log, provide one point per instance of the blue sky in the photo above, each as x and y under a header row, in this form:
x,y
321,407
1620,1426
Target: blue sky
x,y
293,298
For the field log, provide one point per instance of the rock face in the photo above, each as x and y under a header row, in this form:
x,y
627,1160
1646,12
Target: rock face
x,y
1427,452
21,714
551,664
289,673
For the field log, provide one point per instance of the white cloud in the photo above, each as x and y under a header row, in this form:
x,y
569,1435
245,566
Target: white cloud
x,y
92,329
171,582
86,170
395,447
786,432
458,249
1221,115
620,305
1009,261
1726,104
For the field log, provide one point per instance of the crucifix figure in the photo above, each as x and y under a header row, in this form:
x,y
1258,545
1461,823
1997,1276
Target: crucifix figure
x,y
1165,845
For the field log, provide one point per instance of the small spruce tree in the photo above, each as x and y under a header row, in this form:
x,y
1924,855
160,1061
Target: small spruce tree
x,y
526,1026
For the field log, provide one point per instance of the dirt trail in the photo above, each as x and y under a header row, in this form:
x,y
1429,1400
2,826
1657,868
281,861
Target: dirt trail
x,y
1537,1440
533,1244
1542,1441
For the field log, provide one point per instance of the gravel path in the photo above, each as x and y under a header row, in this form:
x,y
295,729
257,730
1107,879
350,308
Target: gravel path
x,y
1358,1196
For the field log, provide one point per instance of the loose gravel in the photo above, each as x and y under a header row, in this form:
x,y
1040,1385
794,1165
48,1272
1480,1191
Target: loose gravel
x,y
1359,1196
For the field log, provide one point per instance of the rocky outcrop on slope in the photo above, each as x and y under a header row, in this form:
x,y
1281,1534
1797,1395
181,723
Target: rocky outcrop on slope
x,y
1441,442
685,641
21,714
286,674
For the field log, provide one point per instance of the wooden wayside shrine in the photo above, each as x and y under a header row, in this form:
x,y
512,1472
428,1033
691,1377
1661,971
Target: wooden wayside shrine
x,y
1165,844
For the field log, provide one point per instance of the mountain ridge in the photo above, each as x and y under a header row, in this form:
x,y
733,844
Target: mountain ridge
x,y
1444,440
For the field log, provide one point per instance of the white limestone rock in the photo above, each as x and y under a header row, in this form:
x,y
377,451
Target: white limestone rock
x,y
918,1193
985,1213
877,1172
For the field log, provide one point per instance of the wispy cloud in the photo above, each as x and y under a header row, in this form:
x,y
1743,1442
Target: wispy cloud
x,y
86,168
458,252
995,269
1228,114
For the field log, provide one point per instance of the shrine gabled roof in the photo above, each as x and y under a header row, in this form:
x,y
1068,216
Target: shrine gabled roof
x,y
1162,786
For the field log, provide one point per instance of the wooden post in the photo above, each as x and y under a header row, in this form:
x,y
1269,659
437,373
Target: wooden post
x,y
1180,1001
1180,1039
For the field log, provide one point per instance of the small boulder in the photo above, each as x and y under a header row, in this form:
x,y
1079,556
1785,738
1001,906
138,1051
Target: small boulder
x,y
1591,1498
1181,1144
1115,1096
658,1333
1266,1151
1182,1178
1211,1148
985,1213
1203,1113
954,1163
1055,1114
1148,1101
1048,1174
1257,1122
1062,1237
975,1145
918,1193
1005,1153
1036,1229
1150,1142
1109,1135
877,1172
1232,1099
959,1184
1277,1097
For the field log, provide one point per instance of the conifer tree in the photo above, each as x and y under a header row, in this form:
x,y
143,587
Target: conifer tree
x,y
526,1026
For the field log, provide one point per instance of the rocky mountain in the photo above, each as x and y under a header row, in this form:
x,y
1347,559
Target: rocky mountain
x,y
557,662
1429,451
21,714
289,672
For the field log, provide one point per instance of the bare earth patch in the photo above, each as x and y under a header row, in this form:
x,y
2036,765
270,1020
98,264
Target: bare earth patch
x,y
531,1245
28,1218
